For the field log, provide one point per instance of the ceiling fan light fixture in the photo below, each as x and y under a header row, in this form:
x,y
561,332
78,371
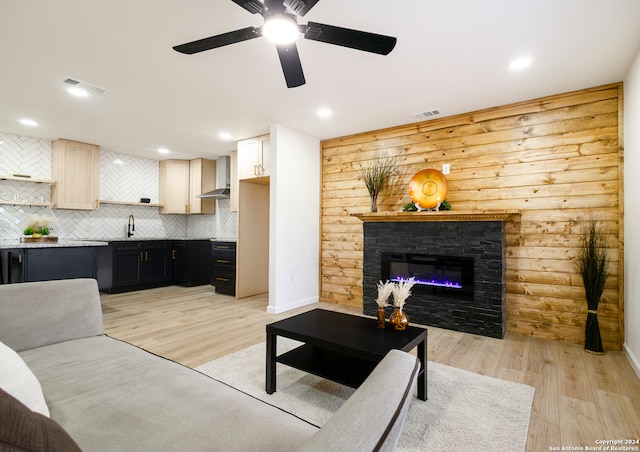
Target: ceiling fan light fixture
x,y
280,29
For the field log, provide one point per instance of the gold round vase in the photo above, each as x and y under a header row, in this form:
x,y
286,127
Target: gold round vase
x,y
399,320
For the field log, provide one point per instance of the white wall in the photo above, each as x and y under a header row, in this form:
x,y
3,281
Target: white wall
x,y
632,213
294,222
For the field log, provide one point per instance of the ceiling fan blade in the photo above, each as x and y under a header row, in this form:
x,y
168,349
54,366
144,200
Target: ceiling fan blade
x,y
300,7
213,42
253,6
291,65
346,37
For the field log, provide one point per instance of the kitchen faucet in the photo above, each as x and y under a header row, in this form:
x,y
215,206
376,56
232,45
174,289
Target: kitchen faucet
x,y
131,226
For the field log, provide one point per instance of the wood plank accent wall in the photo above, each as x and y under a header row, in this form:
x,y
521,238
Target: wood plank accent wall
x,y
558,160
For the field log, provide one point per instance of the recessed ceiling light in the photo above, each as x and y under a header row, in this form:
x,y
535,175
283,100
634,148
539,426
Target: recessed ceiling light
x,y
78,92
520,63
324,113
28,122
225,135
163,151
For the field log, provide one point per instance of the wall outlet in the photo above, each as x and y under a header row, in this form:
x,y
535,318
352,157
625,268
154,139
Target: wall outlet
x,y
446,168
5,224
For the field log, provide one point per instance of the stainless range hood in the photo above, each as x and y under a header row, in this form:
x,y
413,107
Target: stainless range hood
x,y
223,180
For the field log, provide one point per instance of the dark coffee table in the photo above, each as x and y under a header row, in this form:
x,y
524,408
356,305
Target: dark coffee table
x,y
341,347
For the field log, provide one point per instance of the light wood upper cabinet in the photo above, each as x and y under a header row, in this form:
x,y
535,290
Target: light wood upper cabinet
x,y
181,181
253,158
234,185
75,171
202,178
174,186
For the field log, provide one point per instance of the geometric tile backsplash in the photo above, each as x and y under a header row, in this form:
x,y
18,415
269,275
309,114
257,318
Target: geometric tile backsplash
x,y
25,155
122,178
128,178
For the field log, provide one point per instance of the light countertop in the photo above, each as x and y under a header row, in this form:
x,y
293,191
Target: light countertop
x,y
136,238
6,244
16,243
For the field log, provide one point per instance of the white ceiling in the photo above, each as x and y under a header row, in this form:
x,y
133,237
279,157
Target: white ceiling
x,y
452,55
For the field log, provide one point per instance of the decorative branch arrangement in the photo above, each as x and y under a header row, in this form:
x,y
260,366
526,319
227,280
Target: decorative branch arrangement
x,y
593,266
382,300
384,292
400,291
376,177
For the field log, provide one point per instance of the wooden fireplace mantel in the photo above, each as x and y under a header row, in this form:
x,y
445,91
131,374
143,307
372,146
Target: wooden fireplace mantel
x,y
442,215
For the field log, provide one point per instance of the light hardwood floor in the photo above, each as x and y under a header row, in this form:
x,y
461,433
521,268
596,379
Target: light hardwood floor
x,y
580,397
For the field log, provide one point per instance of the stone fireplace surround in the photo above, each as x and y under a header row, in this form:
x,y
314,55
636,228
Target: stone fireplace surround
x,y
477,235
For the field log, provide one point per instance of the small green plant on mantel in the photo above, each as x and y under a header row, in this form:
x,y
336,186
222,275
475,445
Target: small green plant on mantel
x,y
593,265
411,206
376,177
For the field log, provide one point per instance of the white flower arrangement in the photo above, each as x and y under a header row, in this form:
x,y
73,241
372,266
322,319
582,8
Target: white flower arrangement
x,y
402,291
384,292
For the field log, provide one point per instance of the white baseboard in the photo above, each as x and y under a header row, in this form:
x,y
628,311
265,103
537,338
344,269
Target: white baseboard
x,y
633,360
294,305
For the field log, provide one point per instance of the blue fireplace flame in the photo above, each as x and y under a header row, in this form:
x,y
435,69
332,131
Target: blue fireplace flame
x,y
435,282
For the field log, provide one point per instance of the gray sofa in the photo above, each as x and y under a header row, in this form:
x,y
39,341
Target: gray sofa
x,y
108,395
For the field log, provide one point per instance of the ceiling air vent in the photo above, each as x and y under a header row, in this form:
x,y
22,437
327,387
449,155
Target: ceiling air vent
x,y
88,87
428,114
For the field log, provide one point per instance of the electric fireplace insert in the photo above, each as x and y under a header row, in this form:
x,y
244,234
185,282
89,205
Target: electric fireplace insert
x,y
449,276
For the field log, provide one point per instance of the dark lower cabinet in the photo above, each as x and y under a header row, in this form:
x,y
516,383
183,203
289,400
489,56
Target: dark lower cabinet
x,y
11,266
143,264
133,265
46,264
119,267
179,261
156,264
223,257
127,264
191,262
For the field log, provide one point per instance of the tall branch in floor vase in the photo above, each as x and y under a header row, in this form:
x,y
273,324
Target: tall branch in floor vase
x,y
593,265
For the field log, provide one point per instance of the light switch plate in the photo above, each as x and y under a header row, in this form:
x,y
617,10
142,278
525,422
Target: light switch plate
x,y
445,168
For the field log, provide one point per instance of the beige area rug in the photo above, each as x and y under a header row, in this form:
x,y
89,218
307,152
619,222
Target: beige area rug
x,y
465,411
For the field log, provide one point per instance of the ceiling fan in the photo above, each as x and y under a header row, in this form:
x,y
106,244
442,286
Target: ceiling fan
x,y
280,16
